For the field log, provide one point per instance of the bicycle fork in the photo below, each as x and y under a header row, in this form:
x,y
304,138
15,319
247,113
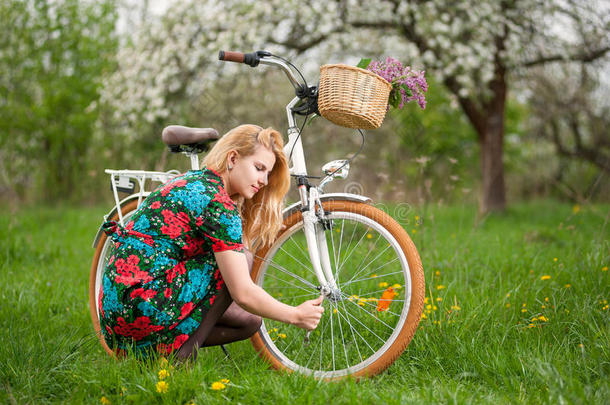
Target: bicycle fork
x,y
314,226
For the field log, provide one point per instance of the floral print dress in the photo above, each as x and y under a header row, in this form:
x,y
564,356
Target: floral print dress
x,y
162,275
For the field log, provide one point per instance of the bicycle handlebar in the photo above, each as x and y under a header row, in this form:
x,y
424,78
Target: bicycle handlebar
x,y
264,57
252,59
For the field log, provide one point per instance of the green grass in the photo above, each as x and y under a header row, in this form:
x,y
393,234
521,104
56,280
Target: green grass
x,y
485,351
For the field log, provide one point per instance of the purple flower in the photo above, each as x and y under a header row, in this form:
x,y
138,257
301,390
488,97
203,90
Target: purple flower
x,y
407,85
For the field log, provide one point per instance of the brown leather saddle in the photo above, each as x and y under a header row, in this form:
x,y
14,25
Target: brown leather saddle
x,y
186,139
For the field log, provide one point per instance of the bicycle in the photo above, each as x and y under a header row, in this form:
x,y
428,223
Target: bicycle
x,y
335,244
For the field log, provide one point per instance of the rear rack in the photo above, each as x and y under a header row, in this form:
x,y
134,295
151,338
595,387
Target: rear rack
x,y
125,181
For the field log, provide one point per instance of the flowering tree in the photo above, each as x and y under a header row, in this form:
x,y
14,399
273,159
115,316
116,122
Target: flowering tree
x,y
474,50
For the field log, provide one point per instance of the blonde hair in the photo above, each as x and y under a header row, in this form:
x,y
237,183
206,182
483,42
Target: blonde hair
x,y
262,214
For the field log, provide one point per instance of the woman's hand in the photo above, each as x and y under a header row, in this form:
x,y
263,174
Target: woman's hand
x,y
308,314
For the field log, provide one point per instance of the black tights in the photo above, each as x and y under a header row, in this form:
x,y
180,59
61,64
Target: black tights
x,y
224,322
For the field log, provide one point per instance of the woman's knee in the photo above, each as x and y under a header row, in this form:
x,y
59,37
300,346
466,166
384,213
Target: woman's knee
x,y
253,324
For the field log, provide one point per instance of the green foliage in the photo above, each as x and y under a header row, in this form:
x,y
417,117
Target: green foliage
x,y
364,63
483,352
53,56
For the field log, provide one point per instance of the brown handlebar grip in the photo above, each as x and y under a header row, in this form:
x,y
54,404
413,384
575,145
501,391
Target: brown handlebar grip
x,y
231,56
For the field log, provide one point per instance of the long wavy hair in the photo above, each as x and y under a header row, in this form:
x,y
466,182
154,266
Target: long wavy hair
x,y
262,214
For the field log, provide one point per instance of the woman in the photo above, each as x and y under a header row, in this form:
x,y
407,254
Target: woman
x,y
180,261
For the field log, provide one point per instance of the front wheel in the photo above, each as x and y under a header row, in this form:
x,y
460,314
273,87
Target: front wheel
x,y
100,260
369,320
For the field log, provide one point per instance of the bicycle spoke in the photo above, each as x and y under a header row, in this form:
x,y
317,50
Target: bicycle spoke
x,y
332,340
368,313
372,272
353,336
341,262
353,250
300,249
342,339
298,261
364,261
362,268
337,255
287,282
282,269
356,330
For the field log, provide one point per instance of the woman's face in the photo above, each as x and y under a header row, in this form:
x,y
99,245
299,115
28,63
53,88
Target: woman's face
x,y
249,173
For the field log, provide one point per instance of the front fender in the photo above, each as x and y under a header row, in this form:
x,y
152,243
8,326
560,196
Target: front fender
x,y
114,210
328,197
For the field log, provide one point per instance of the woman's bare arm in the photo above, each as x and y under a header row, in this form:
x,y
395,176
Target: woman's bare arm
x,y
254,299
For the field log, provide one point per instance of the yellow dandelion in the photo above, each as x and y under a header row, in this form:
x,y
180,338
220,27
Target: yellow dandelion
x,y
281,335
546,299
581,345
439,299
162,387
554,259
396,286
383,284
524,310
217,386
434,307
423,316
335,311
605,307
531,325
576,209
438,273
605,268
413,230
455,308
428,306
543,306
507,295
440,287
426,300
545,277
417,217
105,401
543,318
369,236
163,374
373,275
568,285
361,303
508,305
225,381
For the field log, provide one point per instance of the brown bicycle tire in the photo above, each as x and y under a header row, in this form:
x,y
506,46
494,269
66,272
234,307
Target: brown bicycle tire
x,y
125,209
417,280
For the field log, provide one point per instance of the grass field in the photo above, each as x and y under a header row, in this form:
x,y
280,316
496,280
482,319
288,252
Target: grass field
x,y
518,312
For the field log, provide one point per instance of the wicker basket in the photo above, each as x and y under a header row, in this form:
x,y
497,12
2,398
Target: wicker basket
x,y
352,97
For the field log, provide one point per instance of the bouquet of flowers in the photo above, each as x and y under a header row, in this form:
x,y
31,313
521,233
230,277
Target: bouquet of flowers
x,y
407,84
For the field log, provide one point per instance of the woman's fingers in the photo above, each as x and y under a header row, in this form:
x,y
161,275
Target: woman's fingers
x,y
311,313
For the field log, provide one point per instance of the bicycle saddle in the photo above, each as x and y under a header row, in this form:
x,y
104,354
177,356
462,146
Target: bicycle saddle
x,y
186,139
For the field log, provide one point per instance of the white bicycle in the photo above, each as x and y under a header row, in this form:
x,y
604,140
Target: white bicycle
x,y
335,244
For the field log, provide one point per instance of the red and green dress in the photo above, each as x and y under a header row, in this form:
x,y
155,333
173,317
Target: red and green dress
x,y
162,275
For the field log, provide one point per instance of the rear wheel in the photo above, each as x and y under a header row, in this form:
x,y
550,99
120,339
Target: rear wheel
x,y
100,259
372,317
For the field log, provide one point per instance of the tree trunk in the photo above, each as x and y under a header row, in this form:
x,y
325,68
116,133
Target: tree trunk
x,y
493,193
488,120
